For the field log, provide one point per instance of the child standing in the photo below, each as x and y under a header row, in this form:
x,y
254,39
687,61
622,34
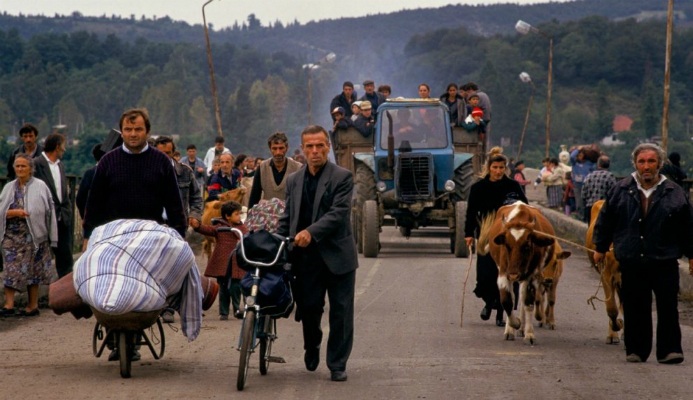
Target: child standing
x,y
569,195
229,292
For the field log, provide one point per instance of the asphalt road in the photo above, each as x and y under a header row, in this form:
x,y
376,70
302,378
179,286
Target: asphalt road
x,y
408,345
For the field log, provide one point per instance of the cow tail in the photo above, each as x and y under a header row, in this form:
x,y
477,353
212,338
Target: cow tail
x,y
484,227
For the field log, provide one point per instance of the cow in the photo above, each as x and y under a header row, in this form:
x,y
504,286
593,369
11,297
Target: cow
x,y
546,297
519,249
610,275
213,210
247,183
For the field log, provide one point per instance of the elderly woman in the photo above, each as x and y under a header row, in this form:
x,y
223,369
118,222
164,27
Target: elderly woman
x,y
28,230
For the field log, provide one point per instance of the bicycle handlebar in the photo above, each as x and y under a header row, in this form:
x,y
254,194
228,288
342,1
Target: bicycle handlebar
x,y
239,233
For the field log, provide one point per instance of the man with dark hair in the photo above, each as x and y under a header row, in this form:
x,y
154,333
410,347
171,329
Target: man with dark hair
x,y
197,165
344,100
648,220
214,152
269,180
134,181
49,169
471,88
385,90
597,185
28,134
672,168
318,207
87,179
190,192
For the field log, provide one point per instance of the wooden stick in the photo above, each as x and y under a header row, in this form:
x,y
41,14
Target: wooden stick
x,y
464,285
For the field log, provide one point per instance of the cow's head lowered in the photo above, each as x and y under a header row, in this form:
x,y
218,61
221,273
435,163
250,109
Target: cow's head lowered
x,y
517,243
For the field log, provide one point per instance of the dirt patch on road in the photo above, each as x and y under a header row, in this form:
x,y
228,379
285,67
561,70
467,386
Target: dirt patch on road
x,y
686,312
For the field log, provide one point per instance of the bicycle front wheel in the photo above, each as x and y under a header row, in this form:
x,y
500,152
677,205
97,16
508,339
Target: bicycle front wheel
x,y
246,347
266,343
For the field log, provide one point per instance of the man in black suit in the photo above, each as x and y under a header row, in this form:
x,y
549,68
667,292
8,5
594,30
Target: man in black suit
x,y
49,169
318,207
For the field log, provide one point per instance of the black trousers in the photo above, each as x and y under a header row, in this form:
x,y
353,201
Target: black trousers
x,y
487,283
63,253
640,280
313,281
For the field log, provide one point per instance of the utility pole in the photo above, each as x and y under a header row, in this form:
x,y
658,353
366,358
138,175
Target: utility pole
x,y
667,74
217,113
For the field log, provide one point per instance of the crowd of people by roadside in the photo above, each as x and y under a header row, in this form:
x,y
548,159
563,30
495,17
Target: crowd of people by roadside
x,y
581,176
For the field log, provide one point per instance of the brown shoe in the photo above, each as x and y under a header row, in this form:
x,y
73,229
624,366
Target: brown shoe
x,y
633,358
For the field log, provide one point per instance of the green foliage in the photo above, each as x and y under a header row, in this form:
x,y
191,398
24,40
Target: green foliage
x,y
76,71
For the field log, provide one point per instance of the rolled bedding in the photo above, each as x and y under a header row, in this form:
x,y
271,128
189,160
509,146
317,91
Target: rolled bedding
x,y
138,265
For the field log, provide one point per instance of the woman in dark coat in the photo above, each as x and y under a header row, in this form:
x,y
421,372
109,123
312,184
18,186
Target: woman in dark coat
x,y
487,195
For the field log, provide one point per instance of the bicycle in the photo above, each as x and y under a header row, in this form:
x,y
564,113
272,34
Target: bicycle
x,y
259,327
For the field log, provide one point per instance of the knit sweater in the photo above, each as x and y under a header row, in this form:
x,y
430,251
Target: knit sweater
x,y
134,186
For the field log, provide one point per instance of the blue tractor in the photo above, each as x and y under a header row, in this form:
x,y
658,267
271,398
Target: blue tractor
x,y
414,170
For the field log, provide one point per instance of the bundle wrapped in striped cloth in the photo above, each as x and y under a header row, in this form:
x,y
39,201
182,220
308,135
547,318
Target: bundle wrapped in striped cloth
x,y
137,265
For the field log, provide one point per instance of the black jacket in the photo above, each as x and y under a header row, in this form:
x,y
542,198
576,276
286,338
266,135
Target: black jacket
x,y
665,233
43,172
340,100
486,197
364,125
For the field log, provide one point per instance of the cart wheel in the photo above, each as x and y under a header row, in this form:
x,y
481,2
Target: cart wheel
x,y
266,344
155,338
246,347
124,348
162,337
97,340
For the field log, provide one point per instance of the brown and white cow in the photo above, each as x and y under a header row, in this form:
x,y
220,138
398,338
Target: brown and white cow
x,y
610,274
213,210
520,251
545,301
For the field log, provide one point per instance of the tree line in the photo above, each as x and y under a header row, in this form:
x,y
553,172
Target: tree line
x,y
601,68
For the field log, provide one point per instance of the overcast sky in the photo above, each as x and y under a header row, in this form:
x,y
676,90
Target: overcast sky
x,y
222,13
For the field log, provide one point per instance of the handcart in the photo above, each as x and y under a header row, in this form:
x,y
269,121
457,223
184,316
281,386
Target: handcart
x,y
125,333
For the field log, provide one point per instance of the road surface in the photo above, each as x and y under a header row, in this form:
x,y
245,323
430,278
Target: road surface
x,y
408,345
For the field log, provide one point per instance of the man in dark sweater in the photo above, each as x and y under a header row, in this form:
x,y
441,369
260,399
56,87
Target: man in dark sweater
x,y
29,135
134,181
344,100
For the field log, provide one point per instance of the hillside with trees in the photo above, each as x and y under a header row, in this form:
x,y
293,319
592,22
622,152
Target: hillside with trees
x,y
608,60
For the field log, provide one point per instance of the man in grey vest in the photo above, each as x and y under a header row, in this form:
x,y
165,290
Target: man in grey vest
x,y
269,180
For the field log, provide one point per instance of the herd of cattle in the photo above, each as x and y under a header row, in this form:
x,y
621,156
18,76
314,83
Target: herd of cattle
x,y
523,244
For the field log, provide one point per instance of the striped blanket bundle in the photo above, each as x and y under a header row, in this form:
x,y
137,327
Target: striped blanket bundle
x,y
138,265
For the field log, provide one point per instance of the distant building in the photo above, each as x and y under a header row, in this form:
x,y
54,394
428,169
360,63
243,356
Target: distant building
x,y
621,123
